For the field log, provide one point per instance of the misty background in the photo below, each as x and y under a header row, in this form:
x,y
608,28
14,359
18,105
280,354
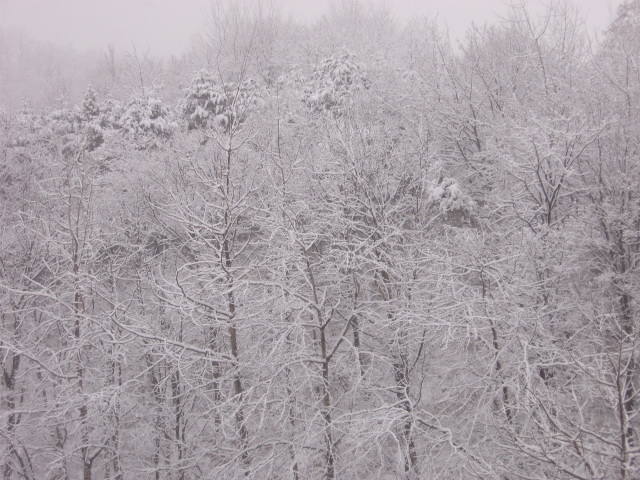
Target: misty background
x,y
53,47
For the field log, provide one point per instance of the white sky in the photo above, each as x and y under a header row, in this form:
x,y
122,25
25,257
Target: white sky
x,y
166,27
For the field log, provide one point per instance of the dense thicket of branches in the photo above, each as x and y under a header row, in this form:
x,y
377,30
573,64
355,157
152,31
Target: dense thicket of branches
x,y
341,251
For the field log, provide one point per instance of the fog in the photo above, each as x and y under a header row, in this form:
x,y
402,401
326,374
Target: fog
x,y
166,27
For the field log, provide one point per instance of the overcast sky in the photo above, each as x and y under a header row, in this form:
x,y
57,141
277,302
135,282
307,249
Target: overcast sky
x,y
166,27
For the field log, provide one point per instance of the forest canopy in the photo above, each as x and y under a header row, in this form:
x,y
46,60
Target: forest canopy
x,y
344,250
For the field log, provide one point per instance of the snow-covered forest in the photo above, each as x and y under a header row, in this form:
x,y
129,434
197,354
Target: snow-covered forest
x,y
346,250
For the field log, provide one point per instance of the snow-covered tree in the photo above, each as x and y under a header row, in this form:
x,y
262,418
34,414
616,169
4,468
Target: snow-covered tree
x,y
334,82
146,118
208,103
